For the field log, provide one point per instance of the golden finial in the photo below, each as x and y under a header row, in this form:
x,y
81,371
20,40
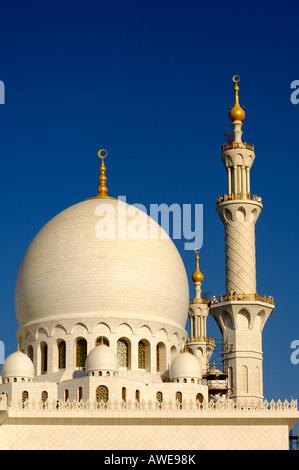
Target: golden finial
x,y
236,113
197,275
102,190
185,348
18,350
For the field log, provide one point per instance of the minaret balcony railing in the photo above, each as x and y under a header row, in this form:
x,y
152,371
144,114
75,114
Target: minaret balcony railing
x,y
244,297
237,145
199,301
238,196
201,339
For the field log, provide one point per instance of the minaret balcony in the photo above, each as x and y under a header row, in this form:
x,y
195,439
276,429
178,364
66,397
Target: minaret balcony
x,y
201,339
237,145
243,297
238,196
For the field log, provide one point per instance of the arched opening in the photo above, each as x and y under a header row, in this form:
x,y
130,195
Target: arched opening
x,y
81,352
144,355
102,340
30,352
159,398
257,381
161,365
123,353
66,395
244,379
230,378
44,398
199,397
124,394
44,357
25,397
102,394
141,355
179,398
61,354
137,396
80,394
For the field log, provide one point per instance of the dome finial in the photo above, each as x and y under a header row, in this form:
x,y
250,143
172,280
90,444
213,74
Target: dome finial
x,y
197,275
236,113
102,190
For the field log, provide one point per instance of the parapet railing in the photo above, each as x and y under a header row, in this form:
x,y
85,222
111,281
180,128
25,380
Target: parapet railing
x,y
234,296
192,405
235,145
201,339
237,196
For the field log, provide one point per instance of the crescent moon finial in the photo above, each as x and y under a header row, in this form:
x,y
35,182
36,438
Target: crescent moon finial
x,y
236,78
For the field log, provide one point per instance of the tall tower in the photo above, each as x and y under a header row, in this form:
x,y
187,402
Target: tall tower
x,y
198,343
241,313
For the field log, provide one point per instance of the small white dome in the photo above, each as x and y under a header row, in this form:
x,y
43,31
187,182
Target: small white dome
x,y
17,365
101,358
185,366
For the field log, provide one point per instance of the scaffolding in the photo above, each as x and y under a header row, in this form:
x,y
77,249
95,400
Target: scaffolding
x,y
217,375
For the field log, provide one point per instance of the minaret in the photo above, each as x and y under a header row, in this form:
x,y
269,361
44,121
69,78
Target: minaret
x,y
241,314
198,343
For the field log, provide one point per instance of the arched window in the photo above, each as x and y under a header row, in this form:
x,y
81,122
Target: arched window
x,y
159,397
161,361
257,381
102,393
25,397
44,357
81,352
199,397
230,377
137,396
158,358
122,353
124,394
44,398
30,352
102,340
141,355
61,355
66,395
244,379
80,394
178,397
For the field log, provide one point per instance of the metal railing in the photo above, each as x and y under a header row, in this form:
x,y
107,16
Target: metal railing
x,y
235,145
233,196
243,297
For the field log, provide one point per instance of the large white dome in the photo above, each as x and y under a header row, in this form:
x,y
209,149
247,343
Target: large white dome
x,y
70,272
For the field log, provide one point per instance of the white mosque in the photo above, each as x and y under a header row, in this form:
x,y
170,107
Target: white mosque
x,y
104,360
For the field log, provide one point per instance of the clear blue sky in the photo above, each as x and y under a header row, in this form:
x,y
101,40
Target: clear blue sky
x,y
151,81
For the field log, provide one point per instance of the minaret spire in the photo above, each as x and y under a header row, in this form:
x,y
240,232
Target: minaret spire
x,y
198,313
102,190
237,114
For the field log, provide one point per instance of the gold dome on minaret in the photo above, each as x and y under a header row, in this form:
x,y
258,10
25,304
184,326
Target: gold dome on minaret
x,y
197,276
236,113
